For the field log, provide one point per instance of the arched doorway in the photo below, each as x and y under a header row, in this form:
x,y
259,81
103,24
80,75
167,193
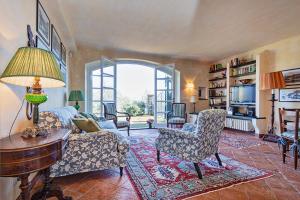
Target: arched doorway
x,y
143,88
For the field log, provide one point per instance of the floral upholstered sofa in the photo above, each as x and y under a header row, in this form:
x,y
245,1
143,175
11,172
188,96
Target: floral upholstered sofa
x,y
86,151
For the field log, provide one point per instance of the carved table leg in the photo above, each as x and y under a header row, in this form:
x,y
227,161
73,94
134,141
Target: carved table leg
x,y
24,186
49,189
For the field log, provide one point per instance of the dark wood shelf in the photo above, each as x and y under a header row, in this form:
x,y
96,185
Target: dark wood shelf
x,y
244,64
243,104
217,97
240,85
218,70
217,88
217,105
217,79
240,75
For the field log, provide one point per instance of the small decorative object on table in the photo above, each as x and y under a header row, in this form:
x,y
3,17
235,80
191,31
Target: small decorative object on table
x,y
150,123
34,132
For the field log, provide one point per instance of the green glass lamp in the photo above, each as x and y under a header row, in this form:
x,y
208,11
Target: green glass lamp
x,y
35,68
76,95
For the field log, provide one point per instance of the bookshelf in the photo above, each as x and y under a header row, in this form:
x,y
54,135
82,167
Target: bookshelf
x,y
217,86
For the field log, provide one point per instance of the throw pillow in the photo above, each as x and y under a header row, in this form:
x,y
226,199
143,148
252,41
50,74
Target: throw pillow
x,y
89,115
108,124
87,125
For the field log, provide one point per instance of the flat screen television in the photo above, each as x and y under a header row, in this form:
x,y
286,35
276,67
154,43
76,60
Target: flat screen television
x,y
243,94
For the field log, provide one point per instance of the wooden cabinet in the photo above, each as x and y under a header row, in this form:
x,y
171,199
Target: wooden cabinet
x,y
19,157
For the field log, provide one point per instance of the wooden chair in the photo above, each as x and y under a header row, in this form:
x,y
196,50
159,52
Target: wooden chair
x,y
111,113
177,116
289,136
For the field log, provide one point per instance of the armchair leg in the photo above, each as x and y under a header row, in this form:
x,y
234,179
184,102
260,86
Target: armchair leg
x,y
295,157
218,158
198,170
121,171
284,147
158,155
128,128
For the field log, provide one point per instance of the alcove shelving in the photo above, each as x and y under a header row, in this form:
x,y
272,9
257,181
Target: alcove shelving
x,y
217,86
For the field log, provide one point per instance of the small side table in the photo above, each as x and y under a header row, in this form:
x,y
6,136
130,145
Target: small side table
x,y
20,157
192,117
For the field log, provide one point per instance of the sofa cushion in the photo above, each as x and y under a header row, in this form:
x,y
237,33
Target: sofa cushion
x,y
48,120
65,115
122,123
90,115
87,125
108,124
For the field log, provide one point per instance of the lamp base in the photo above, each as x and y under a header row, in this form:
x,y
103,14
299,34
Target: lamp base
x,y
77,106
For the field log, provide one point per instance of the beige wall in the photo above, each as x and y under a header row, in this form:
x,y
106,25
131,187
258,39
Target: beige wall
x,y
190,70
278,56
14,17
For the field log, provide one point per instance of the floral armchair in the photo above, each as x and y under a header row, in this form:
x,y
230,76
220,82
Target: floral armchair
x,y
86,151
197,145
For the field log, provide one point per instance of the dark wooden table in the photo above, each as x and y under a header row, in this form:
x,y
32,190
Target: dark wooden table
x,y
20,157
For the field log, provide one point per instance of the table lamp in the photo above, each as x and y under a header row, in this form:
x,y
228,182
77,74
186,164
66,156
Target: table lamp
x,y
35,68
193,101
272,81
76,95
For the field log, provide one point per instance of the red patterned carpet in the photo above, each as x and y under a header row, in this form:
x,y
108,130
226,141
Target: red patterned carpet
x,y
173,178
283,185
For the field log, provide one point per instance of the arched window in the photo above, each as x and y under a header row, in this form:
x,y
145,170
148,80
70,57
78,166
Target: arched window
x,y
123,81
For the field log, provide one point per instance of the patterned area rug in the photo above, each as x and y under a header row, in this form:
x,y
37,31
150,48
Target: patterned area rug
x,y
239,141
177,179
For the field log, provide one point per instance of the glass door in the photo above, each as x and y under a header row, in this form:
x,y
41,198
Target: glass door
x,y
164,92
100,85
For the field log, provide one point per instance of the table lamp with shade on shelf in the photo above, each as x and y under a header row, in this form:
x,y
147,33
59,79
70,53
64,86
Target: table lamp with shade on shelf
x,y
272,81
76,95
193,101
33,68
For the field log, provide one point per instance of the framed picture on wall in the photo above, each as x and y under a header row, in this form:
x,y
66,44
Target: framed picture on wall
x,y
55,43
40,43
289,95
42,23
64,72
63,54
292,76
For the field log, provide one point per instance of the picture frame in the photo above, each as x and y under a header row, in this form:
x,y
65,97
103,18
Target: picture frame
x,y
63,70
40,43
42,23
289,94
55,43
292,76
63,54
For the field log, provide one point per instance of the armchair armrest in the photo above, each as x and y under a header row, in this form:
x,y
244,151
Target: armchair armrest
x,y
102,137
127,115
178,133
169,115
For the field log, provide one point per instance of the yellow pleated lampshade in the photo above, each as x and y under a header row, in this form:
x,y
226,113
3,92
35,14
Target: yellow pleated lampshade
x,y
29,63
272,80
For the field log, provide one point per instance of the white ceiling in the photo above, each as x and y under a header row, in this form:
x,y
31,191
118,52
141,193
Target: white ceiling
x,y
202,29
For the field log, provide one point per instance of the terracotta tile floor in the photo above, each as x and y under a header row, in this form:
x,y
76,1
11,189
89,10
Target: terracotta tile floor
x,y
285,184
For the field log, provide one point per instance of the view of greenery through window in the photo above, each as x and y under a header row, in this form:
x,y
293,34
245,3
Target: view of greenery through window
x,y
135,93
